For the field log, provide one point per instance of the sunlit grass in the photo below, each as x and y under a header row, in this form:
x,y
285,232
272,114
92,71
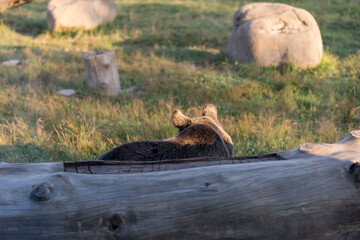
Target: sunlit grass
x,y
173,53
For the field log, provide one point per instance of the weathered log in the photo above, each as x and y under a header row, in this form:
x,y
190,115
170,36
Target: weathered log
x,y
101,73
308,193
5,4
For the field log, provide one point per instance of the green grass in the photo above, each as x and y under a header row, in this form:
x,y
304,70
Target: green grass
x,y
173,52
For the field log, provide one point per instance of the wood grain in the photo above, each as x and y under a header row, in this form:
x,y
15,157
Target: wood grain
x,y
313,193
126,167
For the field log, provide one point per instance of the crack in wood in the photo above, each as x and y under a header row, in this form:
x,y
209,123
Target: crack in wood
x,y
128,167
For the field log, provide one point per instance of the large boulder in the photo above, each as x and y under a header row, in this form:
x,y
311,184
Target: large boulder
x,y
63,15
275,34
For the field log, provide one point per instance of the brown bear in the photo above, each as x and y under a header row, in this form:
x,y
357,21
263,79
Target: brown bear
x,y
198,137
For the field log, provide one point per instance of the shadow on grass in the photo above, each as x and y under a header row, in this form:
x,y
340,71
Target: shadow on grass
x,y
30,153
24,153
197,56
175,25
180,54
28,19
43,68
342,37
169,31
170,25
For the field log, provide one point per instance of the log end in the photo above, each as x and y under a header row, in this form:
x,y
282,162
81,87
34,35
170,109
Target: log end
x,y
98,54
355,133
349,144
353,137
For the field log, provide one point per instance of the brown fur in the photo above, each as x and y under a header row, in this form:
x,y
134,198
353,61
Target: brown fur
x,y
198,137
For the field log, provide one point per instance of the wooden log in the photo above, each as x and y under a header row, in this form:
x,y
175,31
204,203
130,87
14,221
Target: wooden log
x,y
101,73
126,167
5,4
311,193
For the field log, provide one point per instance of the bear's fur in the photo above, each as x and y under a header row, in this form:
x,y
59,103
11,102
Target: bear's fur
x,y
198,137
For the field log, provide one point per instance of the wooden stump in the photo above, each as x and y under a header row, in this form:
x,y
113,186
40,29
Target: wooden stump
x,y
4,4
101,73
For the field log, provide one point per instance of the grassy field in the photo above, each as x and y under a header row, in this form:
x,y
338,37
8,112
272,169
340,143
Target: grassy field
x,y
173,52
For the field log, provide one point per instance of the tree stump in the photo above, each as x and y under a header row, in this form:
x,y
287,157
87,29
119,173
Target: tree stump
x,y
101,73
4,4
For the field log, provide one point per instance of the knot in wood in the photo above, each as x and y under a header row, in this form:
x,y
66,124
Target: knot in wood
x,y
106,63
42,192
104,85
116,221
355,170
309,147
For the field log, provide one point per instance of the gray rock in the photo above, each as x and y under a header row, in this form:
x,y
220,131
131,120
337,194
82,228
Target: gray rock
x,y
63,15
274,34
67,92
12,62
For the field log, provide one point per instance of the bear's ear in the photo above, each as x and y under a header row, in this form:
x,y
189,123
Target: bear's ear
x,y
210,111
180,120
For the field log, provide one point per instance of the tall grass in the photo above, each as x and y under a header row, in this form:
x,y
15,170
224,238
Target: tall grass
x,y
173,53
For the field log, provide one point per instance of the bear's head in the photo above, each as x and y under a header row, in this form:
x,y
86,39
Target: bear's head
x,y
198,137
200,130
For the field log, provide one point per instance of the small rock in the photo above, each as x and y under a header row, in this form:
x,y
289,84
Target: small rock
x,y
12,62
67,92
